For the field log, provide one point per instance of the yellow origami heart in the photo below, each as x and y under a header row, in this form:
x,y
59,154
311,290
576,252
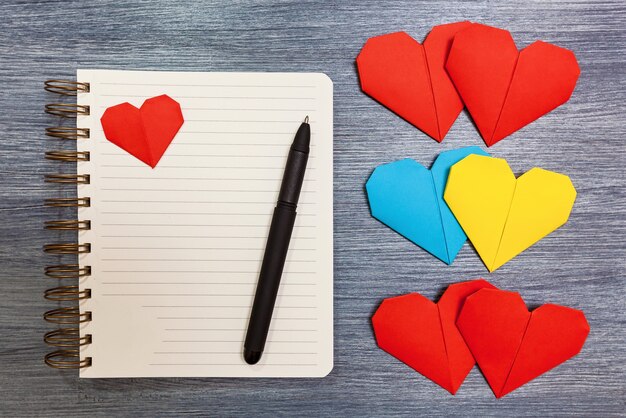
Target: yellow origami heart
x,y
501,215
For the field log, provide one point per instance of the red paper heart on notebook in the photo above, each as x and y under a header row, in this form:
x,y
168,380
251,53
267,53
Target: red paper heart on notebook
x,y
505,89
423,334
145,132
410,79
512,345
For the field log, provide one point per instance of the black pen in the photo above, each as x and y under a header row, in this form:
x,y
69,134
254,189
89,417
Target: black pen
x,y
277,245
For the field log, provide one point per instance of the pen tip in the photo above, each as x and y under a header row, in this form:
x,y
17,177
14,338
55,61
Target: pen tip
x,y
306,119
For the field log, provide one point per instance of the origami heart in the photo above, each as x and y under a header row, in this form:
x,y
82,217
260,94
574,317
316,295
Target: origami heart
x,y
503,216
409,199
511,345
503,89
410,79
423,334
145,132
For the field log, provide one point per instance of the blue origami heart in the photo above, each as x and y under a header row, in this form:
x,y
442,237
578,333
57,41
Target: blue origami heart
x,y
408,198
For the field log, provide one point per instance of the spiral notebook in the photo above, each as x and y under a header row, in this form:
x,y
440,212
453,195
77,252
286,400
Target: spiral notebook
x,y
168,258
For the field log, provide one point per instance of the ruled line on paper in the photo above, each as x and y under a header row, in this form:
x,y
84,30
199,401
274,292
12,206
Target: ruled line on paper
x,y
232,167
199,167
267,353
312,122
142,84
231,364
100,131
197,225
177,144
251,109
200,236
238,341
200,178
200,248
196,259
225,306
204,236
180,96
221,202
249,283
202,271
205,144
248,295
283,146
201,190
272,330
237,318
114,212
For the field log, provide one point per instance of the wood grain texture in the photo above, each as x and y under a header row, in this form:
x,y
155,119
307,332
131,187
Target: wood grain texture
x,y
581,265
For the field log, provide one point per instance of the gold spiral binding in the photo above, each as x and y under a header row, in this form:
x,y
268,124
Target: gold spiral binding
x,y
66,337
67,248
66,87
65,202
67,178
67,359
68,225
68,156
67,132
67,271
67,293
67,110
67,316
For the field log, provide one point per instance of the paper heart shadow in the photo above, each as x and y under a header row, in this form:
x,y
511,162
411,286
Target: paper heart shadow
x,y
511,345
408,198
424,336
146,132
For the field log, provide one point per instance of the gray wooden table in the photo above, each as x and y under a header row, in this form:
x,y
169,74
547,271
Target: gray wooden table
x,y
581,265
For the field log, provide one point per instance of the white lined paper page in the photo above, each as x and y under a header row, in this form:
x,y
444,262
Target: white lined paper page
x,y
176,250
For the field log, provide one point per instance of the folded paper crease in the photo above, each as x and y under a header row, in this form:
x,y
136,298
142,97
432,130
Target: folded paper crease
x,y
505,89
408,198
410,79
513,346
423,334
501,215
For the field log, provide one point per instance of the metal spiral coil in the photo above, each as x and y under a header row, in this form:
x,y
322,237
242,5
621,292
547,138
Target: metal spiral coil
x,y
68,225
66,132
66,202
67,178
67,359
67,316
67,339
66,87
66,293
69,156
67,248
67,110
67,271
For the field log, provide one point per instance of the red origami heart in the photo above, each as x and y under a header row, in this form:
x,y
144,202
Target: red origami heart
x,y
503,89
145,132
423,334
512,345
410,78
